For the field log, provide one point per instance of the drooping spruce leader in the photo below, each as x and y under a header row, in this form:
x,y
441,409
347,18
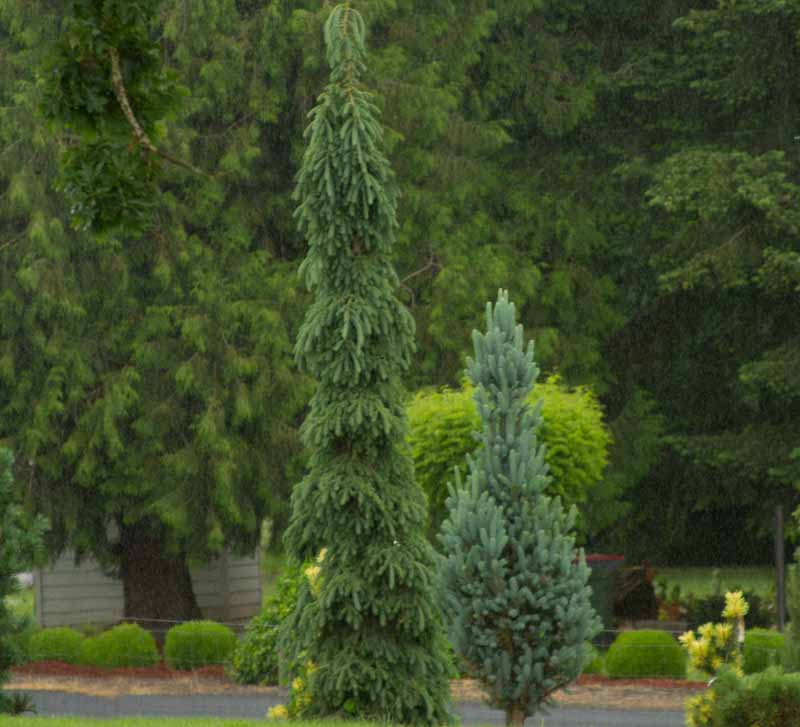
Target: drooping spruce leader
x,y
374,641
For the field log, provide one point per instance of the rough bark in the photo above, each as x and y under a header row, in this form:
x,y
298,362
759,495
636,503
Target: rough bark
x,y
156,583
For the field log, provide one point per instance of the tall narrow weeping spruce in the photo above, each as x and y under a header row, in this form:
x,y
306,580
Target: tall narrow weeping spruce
x,y
367,631
521,614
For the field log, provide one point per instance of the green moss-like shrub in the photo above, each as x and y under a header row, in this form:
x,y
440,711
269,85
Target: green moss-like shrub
x,y
645,654
18,640
88,652
194,644
255,659
768,699
57,644
762,649
596,662
123,645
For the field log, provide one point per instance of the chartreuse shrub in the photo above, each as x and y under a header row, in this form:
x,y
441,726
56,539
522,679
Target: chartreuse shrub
x,y
193,644
515,586
768,699
372,639
762,648
123,645
255,659
595,661
645,654
56,644
575,437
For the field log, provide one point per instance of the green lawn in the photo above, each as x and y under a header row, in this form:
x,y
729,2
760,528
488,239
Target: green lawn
x,y
699,581
155,722
21,603
128,722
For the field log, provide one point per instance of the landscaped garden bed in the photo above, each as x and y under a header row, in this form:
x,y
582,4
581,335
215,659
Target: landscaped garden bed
x,y
590,690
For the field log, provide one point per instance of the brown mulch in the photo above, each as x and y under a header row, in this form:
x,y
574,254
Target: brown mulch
x,y
590,690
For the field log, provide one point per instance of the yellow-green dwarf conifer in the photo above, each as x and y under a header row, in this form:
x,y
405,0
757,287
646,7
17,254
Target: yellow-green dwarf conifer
x,y
515,585
369,636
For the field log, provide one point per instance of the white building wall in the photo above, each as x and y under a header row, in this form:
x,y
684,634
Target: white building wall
x,y
227,590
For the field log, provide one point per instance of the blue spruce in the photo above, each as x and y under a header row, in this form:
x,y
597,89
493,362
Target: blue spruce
x,y
515,586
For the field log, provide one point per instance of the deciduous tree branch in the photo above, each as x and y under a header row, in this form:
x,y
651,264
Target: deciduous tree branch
x,y
141,135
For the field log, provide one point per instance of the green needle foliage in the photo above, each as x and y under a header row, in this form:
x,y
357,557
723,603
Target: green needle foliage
x,y
515,585
374,646
146,376
20,543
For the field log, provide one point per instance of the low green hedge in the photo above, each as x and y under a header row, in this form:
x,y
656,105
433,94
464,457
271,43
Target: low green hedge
x,y
768,699
56,644
762,649
596,663
123,645
645,654
198,643
255,660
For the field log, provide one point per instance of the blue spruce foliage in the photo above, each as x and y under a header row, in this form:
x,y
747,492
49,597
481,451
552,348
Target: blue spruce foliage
x,y
514,584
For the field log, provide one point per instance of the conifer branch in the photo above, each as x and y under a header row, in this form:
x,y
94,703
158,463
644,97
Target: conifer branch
x,y
139,133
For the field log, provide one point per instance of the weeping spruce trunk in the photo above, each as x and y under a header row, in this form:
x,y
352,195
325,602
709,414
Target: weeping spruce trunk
x,y
156,583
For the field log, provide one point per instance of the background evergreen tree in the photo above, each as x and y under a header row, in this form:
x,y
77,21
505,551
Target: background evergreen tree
x,y
514,583
145,362
20,544
370,628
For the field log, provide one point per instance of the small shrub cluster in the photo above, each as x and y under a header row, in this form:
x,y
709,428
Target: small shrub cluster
x,y
194,644
255,660
18,640
56,644
762,648
645,654
122,646
768,699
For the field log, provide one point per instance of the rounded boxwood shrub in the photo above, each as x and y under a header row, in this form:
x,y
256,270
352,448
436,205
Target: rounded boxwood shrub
x,y
645,654
57,644
255,660
194,644
123,645
595,663
762,649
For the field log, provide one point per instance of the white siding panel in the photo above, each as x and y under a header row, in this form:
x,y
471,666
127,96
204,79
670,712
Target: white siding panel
x,y
68,595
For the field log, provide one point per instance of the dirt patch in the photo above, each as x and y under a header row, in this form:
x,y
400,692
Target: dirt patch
x,y
594,691
602,692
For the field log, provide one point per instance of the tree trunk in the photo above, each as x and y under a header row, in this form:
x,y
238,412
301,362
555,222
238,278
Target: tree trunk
x,y
156,584
515,717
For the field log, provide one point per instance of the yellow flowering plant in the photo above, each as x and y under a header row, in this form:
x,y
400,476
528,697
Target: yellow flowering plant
x,y
699,710
716,645
300,694
278,713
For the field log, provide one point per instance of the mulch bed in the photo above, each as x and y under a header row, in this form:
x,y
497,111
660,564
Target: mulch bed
x,y
590,690
159,671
